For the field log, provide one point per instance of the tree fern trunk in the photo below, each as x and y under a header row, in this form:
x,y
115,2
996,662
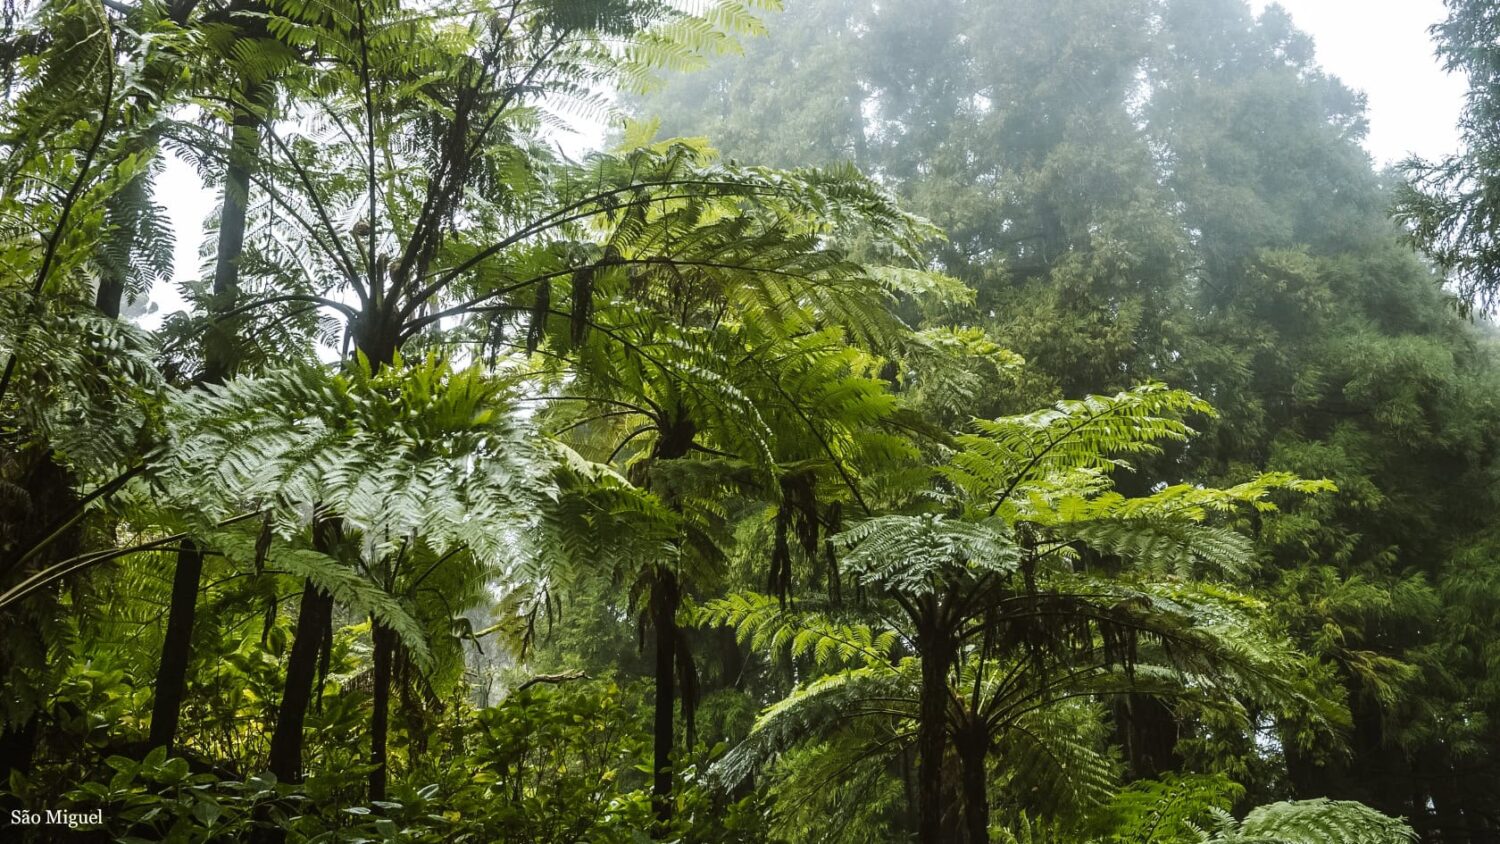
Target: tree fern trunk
x,y
932,737
171,672
218,361
1148,729
664,598
314,620
674,443
385,649
219,355
971,755
109,299
314,615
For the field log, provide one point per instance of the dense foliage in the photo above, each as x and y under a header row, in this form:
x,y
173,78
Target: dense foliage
x,y
1173,190
928,421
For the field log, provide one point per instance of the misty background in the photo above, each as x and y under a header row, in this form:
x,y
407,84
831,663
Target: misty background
x,y
1381,48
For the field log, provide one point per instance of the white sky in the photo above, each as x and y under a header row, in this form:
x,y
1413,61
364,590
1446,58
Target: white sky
x,y
1380,47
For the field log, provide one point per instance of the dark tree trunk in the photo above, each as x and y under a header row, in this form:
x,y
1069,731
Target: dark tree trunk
x,y
18,747
932,736
674,443
1307,776
219,355
731,660
385,650
664,599
313,617
908,791
972,753
110,296
218,359
171,673
1148,729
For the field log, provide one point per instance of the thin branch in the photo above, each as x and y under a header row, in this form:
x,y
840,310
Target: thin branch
x,y
57,571
599,418
350,268
432,568
838,464
552,679
77,512
562,216
469,305
375,284
621,447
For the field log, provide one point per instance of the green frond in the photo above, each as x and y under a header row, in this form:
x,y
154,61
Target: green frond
x,y
1313,822
914,554
1019,456
819,709
1053,763
348,587
764,624
1166,810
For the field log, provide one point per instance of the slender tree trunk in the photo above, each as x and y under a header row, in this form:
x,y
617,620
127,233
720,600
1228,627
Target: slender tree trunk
x,y
731,660
972,753
664,599
171,673
911,816
218,354
244,146
666,594
932,738
385,649
313,616
857,127
110,296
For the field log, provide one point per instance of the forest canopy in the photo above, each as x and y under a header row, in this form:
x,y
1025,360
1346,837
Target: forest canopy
x,y
932,421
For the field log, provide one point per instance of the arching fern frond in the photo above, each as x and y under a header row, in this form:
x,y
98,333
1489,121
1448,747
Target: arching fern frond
x,y
1310,822
913,554
1017,456
763,623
